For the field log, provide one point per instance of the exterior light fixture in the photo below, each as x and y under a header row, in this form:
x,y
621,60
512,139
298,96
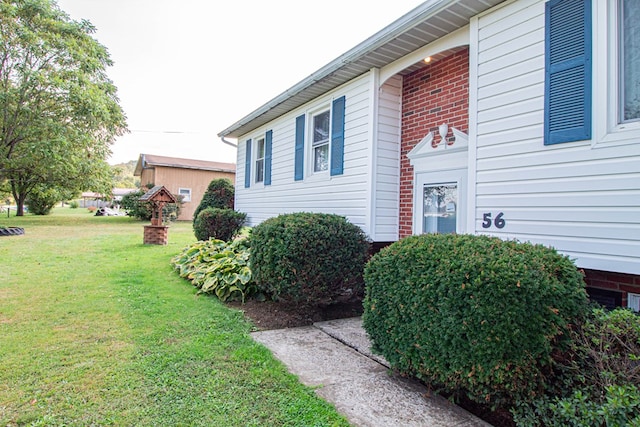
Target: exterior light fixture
x,y
427,59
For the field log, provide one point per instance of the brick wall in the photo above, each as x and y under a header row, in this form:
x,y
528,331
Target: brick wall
x,y
431,96
616,283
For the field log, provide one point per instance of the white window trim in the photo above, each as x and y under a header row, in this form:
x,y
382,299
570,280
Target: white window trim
x,y
422,179
254,163
606,78
310,161
185,198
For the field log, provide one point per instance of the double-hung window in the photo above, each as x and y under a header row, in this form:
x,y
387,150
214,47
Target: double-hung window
x,y
320,141
629,61
259,167
616,65
257,162
608,32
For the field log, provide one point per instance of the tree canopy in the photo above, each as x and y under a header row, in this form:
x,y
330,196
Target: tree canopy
x,y
59,112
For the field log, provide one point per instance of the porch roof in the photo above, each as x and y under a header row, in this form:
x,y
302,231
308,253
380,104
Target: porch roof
x,y
424,24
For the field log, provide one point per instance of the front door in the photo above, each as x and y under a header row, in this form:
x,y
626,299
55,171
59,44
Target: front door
x,y
440,202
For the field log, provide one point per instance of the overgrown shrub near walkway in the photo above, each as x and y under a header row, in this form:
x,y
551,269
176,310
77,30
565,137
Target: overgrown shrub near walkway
x,y
309,259
598,383
473,315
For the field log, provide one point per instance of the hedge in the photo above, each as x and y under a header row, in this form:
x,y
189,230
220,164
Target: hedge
x,y
472,314
310,259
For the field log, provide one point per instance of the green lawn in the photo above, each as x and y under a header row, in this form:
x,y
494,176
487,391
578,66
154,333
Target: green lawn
x,y
97,329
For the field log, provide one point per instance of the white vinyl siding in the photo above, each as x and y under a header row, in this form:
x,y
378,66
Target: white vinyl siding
x,y
345,194
387,200
583,201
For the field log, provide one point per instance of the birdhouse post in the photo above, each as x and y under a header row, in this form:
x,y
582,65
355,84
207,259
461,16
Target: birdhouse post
x,y
157,233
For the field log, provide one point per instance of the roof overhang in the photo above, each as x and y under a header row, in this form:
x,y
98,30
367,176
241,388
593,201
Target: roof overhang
x,y
426,23
151,161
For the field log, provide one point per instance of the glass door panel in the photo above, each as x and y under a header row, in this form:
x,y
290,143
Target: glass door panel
x,y
440,208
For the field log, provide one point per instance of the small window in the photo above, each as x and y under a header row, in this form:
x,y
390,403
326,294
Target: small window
x,y
185,193
440,208
633,301
629,61
260,151
320,141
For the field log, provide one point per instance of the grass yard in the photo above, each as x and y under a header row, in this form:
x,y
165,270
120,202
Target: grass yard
x,y
96,329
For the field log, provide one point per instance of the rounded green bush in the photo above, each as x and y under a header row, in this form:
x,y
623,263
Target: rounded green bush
x,y
220,194
220,224
309,258
472,314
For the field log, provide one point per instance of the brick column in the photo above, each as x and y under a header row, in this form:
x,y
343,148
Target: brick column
x,y
156,234
435,94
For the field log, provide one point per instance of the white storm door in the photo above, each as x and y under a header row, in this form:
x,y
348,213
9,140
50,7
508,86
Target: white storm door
x,y
439,204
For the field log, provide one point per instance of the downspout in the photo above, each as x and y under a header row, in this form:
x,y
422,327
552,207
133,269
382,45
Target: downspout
x,y
228,142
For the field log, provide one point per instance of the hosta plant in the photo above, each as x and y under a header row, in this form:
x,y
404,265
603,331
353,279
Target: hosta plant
x,y
217,267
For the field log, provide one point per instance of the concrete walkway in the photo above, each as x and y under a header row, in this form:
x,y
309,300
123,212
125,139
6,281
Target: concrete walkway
x,y
334,356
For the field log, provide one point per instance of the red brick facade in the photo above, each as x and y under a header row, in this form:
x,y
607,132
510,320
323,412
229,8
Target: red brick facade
x,y
431,96
617,283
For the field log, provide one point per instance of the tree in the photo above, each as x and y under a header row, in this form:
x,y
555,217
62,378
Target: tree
x,y
59,112
123,175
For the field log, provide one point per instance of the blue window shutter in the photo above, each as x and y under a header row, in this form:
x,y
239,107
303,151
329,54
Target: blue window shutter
x,y
247,165
267,157
298,173
337,136
567,104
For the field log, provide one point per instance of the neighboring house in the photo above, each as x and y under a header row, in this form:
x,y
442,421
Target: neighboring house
x,y
519,119
188,178
98,200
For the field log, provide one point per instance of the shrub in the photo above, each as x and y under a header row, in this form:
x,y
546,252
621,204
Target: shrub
x,y
171,211
617,406
472,314
221,224
606,349
220,194
42,200
74,204
144,210
309,258
135,208
600,383
217,267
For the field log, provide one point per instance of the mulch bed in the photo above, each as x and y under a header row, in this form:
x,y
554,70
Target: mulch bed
x,y
273,315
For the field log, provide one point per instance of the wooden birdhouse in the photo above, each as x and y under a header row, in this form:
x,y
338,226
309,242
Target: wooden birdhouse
x,y
157,232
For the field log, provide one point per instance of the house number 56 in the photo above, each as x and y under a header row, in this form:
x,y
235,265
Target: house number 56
x,y
498,221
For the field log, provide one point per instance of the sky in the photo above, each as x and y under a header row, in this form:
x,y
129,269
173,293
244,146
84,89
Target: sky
x,y
186,70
